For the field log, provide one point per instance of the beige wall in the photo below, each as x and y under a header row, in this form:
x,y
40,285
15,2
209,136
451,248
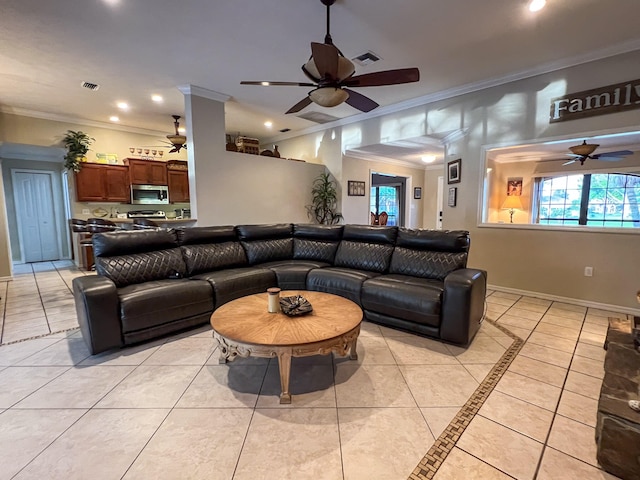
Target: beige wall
x,y
430,198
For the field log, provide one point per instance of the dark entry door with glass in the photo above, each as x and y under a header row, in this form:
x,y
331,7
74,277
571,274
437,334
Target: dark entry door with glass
x,y
387,200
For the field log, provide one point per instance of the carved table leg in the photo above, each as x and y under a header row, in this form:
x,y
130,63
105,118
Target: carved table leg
x,y
284,361
353,353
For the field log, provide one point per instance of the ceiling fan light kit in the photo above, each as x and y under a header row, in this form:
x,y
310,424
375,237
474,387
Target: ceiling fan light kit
x,y
584,151
330,71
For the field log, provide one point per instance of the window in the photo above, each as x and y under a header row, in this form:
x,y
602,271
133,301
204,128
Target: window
x,y
594,199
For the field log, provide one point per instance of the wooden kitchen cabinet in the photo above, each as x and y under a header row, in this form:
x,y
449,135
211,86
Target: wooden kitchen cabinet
x,y
178,181
146,172
103,183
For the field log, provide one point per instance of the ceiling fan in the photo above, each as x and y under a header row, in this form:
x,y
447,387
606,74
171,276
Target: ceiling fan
x,y
331,74
583,151
177,140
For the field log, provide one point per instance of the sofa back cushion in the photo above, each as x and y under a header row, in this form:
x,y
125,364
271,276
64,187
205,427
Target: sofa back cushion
x,y
266,243
316,242
366,248
429,253
130,257
206,249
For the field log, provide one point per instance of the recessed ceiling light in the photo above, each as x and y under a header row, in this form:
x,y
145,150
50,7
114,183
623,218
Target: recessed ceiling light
x,y
264,84
114,118
537,5
123,105
428,158
156,98
268,124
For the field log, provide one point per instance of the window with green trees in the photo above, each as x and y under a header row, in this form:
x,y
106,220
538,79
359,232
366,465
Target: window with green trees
x,y
594,199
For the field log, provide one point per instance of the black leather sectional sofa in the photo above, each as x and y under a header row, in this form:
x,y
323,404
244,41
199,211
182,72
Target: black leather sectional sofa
x,y
152,283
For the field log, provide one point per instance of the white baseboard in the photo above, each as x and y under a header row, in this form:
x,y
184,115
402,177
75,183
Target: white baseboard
x,y
6,279
575,301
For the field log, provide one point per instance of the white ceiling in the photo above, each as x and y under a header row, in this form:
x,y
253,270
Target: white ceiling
x,y
134,48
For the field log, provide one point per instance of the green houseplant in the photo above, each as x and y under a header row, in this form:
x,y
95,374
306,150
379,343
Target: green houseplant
x,y
77,145
324,201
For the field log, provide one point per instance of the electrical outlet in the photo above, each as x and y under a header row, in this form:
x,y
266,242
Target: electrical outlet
x,y
86,211
588,271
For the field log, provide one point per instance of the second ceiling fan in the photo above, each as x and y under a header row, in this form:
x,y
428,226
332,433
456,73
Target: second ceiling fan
x,y
584,151
332,73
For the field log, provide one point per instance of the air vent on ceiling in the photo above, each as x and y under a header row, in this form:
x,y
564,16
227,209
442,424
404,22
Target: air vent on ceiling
x,y
285,130
318,117
91,86
367,58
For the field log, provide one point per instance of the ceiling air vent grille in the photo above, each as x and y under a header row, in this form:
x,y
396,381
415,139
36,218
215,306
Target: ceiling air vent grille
x,y
367,58
318,117
284,130
90,86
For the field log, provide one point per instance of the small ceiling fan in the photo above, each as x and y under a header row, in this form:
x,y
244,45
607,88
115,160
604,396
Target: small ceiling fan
x,y
176,141
331,74
583,151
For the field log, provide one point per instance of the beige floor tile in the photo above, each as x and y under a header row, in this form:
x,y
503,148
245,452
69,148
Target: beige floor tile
x,y
307,445
538,370
592,338
479,370
372,386
497,308
508,320
595,328
522,333
438,418
125,356
494,300
18,382
530,390
12,354
392,332
561,312
460,465
595,368
590,351
531,307
183,351
420,351
194,443
570,307
22,308
382,443
536,301
558,331
151,387
371,351
481,350
524,313
573,438
604,313
80,453
25,433
546,354
63,325
562,322
77,388
439,386
69,351
551,341
490,331
492,315
25,317
486,440
12,335
517,415
369,329
579,408
311,385
506,342
556,465
509,296
596,320
224,386
583,384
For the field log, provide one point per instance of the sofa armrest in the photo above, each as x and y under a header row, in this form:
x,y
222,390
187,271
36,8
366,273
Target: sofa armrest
x,y
97,309
463,305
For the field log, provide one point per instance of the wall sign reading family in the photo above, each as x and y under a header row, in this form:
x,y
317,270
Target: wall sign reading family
x,y
598,101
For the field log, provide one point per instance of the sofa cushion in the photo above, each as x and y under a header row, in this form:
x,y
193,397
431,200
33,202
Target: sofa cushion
x,y
143,267
266,243
213,256
434,240
128,242
425,264
415,299
318,250
292,274
200,235
158,302
340,281
363,256
233,283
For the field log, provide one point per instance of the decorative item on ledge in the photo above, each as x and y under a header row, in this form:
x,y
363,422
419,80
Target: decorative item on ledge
x,y
295,305
231,144
177,165
248,145
146,153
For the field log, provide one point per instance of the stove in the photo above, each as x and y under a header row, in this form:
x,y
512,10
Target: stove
x,y
146,214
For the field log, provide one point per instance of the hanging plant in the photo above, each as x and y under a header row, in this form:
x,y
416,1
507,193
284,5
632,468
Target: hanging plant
x,y
77,145
324,201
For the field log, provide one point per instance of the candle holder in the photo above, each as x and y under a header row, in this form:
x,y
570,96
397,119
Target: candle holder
x,y
273,305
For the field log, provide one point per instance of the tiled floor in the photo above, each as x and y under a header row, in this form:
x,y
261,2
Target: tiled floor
x,y
166,409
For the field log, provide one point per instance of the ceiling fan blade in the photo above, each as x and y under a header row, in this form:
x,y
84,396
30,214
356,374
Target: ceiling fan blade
x,y
617,154
326,59
278,84
359,101
570,162
174,150
386,77
306,101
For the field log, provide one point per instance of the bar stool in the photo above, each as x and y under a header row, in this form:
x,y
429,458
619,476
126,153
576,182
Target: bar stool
x,y
85,244
100,225
144,224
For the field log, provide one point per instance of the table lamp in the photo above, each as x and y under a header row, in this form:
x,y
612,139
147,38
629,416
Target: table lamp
x,y
512,203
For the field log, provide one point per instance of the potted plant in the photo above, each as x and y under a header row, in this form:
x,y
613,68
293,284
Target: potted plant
x,y
324,201
77,145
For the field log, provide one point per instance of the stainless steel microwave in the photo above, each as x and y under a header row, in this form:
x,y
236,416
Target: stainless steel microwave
x,y
149,194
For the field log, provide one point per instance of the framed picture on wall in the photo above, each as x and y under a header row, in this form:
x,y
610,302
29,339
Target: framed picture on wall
x,y
417,193
514,186
356,188
453,193
453,171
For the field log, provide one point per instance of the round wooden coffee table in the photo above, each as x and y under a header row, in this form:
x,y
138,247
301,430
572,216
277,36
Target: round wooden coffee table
x,y
244,327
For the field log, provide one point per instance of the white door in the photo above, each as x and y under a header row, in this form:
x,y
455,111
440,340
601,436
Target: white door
x,y
440,204
33,193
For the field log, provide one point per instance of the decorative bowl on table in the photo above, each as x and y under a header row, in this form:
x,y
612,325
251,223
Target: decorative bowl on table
x,y
295,305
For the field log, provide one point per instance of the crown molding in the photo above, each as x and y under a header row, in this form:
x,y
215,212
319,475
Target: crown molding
x,y
203,92
548,67
78,121
375,158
